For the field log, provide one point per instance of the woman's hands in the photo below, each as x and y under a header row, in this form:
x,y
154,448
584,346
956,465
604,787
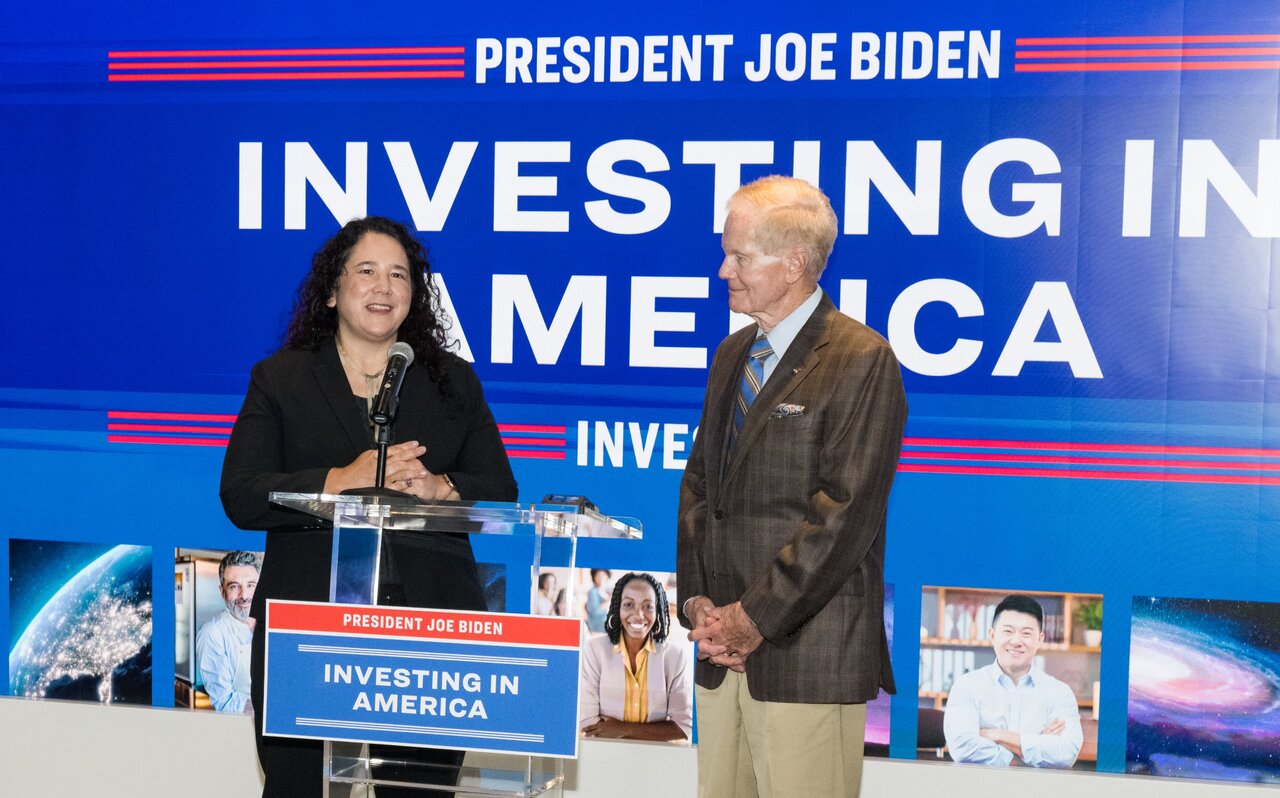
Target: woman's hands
x,y
404,473
612,728
431,487
609,727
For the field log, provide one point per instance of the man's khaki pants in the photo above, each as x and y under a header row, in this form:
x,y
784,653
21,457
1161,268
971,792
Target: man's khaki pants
x,y
774,750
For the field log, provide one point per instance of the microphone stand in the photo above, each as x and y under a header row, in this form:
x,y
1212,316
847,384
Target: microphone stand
x,y
382,439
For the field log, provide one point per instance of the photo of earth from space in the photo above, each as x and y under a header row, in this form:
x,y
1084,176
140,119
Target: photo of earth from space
x,y
81,614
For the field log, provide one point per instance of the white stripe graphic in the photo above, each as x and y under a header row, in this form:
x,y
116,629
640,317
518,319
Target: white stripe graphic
x,y
424,730
394,653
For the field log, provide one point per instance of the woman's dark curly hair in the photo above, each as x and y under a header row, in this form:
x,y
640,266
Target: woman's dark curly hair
x,y
662,618
424,328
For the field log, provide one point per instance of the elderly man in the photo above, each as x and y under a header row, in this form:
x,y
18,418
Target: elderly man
x,y
1009,711
782,513
223,643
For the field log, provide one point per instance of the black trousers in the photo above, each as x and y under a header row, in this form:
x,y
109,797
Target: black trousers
x,y
430,570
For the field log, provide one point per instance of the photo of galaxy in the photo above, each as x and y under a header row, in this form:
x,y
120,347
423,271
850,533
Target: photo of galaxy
x,y
876,742
1204,689
80,621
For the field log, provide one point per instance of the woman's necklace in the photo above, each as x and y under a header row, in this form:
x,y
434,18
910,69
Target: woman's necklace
x,y
370,380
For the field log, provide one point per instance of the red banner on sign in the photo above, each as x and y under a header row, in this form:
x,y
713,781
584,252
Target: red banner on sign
x,y
410,622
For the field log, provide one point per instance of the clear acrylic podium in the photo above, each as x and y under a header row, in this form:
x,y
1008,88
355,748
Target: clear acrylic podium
x,y
359,523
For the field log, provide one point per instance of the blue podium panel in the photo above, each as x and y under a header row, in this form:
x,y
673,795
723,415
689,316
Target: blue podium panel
x,y
441,679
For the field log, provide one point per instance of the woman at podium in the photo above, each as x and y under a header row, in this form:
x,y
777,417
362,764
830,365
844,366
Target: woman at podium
x,y
305,428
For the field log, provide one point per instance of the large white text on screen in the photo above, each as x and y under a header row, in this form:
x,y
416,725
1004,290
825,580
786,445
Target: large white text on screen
x,y
527,169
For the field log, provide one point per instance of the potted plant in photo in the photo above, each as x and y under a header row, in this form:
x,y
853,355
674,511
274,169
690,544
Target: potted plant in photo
x,y
1089,615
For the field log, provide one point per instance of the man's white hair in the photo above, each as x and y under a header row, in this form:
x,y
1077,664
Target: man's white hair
x,y
791,214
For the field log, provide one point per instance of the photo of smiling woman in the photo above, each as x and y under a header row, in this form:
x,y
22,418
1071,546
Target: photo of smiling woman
x,y
635,685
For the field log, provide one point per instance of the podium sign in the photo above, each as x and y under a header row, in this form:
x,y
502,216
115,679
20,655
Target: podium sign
x,y
502,687
477,681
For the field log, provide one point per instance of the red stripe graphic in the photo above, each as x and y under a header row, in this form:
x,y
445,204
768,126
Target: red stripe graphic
x,y
1134,476
169,441
309,51
1147,66
161,434
170,77
513,435
1230,38
1166,463
535,454
538,428
167,428
313,63
533,441
1092,447
1088,51
1150,53
1074,460
223,418
355,62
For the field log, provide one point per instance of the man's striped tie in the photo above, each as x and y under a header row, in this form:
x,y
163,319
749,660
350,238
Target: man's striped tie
x,y
752,379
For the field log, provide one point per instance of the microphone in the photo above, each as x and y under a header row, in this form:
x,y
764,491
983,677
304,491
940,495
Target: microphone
x,y
383,410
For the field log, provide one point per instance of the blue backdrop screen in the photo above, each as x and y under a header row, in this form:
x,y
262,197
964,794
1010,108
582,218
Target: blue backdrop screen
x,y
1065,220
